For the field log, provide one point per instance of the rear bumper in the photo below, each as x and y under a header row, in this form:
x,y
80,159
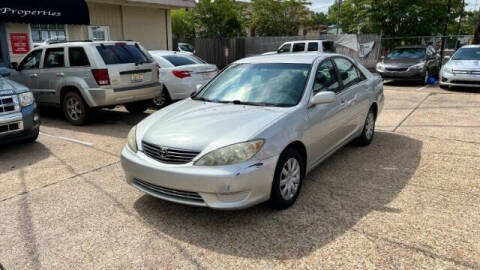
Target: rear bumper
x,y
106,97
447,79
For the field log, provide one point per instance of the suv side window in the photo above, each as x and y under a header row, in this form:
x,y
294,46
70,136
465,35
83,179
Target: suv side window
x,y
285,48
78,57
349,73
32,61
54,58
298,47
313,47
326,78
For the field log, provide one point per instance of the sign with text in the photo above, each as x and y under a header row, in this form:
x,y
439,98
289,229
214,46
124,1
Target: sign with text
x,y
20,43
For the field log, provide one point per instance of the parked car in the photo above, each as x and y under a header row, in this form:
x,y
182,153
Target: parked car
x,y
80,76
320,46
180,73
185,47
463,69
19,118
252,133
416,63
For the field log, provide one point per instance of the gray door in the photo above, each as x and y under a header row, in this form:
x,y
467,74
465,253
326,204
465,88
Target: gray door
x,y
4,59
326,121
51,74
28,71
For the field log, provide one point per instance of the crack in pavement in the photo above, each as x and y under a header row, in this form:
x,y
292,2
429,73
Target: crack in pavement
x,y
412,111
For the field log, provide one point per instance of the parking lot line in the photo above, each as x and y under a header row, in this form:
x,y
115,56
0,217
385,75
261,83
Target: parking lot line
x,y
67,139
421,88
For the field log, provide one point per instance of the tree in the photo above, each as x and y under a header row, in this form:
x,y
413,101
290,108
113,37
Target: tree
x,y
219,18
277,17
321,18
183,24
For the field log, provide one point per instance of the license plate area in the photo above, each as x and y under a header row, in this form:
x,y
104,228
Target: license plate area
x,y
137,77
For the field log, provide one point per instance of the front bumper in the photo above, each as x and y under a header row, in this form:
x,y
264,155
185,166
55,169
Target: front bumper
x,y
222,187
450,79
99,97
28,122
402,75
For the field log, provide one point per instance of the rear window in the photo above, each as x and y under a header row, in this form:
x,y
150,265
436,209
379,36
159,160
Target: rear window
x,y
178,60
328,46
121,54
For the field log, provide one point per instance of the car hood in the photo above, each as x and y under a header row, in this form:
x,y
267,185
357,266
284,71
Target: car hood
x,y
9,87
465,64
401,63
197,125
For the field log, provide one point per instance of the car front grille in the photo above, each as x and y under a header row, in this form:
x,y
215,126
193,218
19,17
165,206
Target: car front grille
x,y
467,72
188,196
396,69
168,155
466,82
8,104
11,127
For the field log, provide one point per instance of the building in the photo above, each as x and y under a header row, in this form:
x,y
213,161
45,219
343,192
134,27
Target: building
x,y
27,23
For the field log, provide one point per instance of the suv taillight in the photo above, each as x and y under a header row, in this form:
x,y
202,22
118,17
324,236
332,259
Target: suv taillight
x,y
101,76
181,73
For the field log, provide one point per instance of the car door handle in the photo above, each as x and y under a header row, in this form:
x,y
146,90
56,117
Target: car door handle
x,y
60,74
34,75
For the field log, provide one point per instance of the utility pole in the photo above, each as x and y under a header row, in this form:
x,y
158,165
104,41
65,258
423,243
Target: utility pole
x,y
445,30
338,15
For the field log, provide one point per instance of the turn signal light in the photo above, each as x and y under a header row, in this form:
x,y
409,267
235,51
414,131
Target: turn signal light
x,y
181,73
101,76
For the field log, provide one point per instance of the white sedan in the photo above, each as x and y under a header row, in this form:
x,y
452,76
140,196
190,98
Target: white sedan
x,y
180,74
463,69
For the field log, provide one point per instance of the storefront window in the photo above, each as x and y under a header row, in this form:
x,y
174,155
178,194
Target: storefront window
x,y
44,32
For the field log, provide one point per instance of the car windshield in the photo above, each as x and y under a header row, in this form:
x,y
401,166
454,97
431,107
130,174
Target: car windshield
x,y
121,54
407,53
179,60
467,54
266,84
186,47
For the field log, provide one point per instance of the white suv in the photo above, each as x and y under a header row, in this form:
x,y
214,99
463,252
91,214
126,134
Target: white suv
x,y
319,46
84,75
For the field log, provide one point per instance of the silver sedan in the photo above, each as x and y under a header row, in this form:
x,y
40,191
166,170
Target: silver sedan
x,y
252,134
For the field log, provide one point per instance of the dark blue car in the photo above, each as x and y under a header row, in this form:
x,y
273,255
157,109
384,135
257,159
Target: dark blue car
x,y
19,118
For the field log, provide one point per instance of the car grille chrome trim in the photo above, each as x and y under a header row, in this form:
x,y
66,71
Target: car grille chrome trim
x,y
11,127
469,72
167,154
9,104
396,69
169,192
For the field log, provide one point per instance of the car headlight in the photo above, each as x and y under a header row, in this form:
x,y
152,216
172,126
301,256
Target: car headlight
x,y
26,99
380,67
132,139
448,69
232,154
418,66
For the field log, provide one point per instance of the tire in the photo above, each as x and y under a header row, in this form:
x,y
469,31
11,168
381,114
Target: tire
x,y
290,171
137,107
427,76
162,100
34,136
75,108
368,132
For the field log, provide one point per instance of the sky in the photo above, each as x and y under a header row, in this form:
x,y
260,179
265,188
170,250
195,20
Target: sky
x,y
322,5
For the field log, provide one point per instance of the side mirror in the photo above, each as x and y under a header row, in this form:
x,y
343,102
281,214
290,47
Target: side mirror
x,y
13,65
323,98
4,72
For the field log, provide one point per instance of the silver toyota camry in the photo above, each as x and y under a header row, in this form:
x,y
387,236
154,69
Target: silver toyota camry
x,y
253,132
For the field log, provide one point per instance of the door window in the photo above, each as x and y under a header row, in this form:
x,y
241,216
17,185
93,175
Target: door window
x,y
313,46
326,78
285,48
77,57
349,73
298,47
54,58
32,61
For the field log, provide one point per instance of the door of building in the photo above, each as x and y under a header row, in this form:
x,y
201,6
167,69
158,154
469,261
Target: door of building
x,y
4,59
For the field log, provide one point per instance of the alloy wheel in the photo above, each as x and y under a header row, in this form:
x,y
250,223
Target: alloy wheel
x,y
290,179
160,100
74,109
370,125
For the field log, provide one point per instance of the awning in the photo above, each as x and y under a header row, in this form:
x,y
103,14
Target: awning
x,y
44,11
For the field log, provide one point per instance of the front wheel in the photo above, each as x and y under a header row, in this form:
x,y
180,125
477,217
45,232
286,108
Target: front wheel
x,y
287,179
368,131
136,107
33,137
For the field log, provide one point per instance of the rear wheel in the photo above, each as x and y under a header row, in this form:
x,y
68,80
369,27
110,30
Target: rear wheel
x,y
288,179
75,109
137,107
162,100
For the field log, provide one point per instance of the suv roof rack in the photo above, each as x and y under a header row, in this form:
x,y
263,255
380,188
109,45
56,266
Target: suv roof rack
x,y
65,41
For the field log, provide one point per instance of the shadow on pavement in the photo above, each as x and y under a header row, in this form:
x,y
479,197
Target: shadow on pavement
x,y
336,195
15,156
